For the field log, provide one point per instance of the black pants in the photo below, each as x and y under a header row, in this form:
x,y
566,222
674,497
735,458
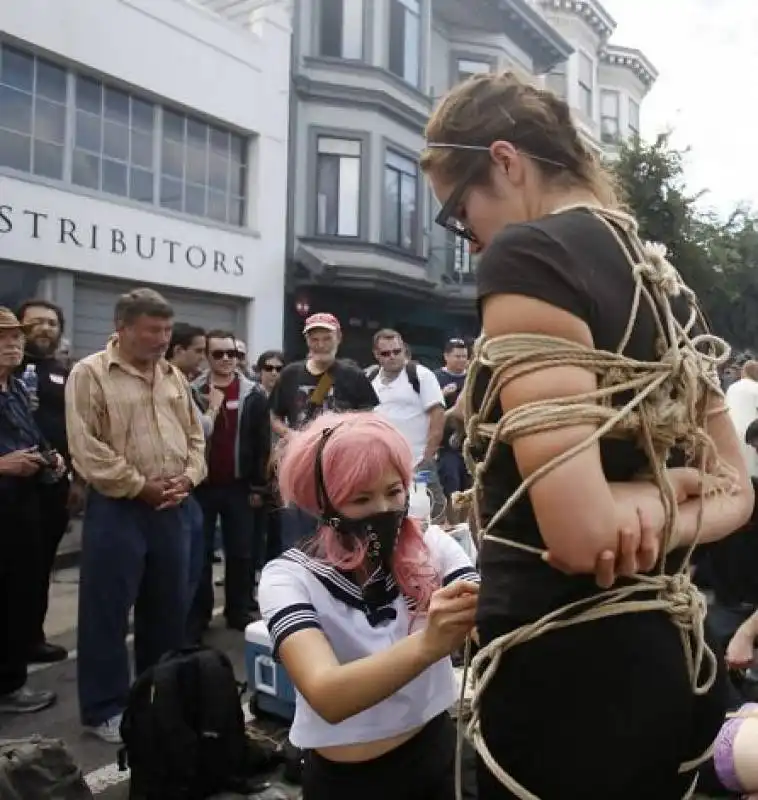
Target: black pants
x,y
421,769
55,518
232,505
20,567
599,711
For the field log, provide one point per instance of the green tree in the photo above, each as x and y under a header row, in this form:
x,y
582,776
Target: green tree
x,y
717,258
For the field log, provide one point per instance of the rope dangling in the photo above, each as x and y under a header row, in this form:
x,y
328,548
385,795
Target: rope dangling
x,y
667,409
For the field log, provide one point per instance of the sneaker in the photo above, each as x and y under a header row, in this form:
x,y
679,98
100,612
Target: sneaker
x,y
108,731
26,701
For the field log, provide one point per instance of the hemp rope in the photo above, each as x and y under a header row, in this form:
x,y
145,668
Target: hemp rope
x,y
667,409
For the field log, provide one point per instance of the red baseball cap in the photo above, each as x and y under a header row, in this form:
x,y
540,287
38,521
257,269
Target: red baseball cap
x,y
327,322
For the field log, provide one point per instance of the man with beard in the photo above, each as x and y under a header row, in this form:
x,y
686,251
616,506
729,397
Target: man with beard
x,y
44,325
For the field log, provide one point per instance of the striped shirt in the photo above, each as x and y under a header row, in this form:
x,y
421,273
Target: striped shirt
x,y
125,429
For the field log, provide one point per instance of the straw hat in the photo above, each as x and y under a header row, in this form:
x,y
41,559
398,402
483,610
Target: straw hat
x,y
9,321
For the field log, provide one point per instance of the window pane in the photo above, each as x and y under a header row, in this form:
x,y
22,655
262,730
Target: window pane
x,y
114,177
173,126
238,181
197,134
88,134
391,207
51,81
142,149
196,165
397,38
218,172
143,114
172,162
586,70
86,170
467,68
331,27
349,196
239,149
49,121
15,110
408,212
352,29
48,160
116,141
327,195
340,147
141,185
89,95
411,47
194,199
237,211
220,142
217,206
171,194
609,102
15,150
401,163
17,69
117,106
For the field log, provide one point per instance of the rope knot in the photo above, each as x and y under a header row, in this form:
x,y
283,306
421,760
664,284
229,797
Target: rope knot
x,y
684,600
657,269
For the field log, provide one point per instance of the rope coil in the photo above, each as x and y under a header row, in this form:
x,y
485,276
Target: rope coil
x,y
667,408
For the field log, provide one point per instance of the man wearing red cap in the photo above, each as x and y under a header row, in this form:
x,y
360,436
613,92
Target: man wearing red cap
x,y
308,388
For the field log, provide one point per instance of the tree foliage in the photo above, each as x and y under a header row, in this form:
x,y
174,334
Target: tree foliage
x,y
718,258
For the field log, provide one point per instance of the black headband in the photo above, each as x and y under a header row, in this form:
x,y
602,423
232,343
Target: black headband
x,y
325,506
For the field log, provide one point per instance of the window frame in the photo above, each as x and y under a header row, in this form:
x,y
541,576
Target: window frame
x,y
457,56
559,70
633,104
587,92
339,156
400,152
365,44
418,13
316,132
605,137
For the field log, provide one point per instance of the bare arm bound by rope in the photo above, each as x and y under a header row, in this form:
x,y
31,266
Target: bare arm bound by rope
x,y
587,523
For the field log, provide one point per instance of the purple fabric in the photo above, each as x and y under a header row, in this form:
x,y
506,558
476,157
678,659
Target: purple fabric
x,y
723,753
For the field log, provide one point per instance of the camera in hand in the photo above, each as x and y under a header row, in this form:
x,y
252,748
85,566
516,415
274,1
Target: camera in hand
x,y
49,472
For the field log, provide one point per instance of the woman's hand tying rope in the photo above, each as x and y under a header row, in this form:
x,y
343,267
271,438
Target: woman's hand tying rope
x,y
667,409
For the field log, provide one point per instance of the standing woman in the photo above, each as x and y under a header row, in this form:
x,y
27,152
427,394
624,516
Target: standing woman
x,y
364,616
604,709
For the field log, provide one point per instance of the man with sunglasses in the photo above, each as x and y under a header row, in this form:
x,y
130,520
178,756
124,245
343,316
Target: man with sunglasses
x,y
238,450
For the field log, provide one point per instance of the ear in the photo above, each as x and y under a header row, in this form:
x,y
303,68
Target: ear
x,y
509,159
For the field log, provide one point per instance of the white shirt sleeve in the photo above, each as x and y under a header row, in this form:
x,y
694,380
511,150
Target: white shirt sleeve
x,y
430,391
450,558
285,602
742,401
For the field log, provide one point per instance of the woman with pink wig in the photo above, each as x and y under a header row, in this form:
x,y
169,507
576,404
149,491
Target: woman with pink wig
x,y
364,617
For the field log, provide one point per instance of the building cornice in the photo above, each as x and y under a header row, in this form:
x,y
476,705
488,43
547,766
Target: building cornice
x,y
630,58
534,34
591,11
342,95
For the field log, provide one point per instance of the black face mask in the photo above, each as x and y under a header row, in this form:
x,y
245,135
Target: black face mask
x,y
380,531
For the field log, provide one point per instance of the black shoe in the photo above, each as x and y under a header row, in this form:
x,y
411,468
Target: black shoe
x,y
240,623
26,701
46,653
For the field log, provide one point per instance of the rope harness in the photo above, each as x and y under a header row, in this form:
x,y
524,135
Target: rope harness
x,y
667,409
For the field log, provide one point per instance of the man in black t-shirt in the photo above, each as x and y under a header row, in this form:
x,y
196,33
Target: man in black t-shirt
x,y
452,469
307,389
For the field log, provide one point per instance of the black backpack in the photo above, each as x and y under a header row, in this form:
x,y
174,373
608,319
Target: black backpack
x,y
411,370
184,730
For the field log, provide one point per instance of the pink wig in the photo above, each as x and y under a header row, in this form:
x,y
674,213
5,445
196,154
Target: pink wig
x,y
361,449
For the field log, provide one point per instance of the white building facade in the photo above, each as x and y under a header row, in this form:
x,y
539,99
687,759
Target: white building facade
x,y
144,143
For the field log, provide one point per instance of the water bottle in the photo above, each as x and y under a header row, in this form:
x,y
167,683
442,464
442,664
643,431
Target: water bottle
x,y
30,380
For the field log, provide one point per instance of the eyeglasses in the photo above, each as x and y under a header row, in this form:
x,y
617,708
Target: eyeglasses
x,y
388,353
217,355
272,367
449,216
456,342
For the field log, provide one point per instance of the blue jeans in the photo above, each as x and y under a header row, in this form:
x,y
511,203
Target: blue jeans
x,y
197,544
132,556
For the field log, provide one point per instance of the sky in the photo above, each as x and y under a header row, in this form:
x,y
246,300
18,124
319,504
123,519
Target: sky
x,y
706,53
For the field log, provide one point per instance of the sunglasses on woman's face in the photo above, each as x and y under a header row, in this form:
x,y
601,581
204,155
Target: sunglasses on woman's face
x,y
217,355
272,367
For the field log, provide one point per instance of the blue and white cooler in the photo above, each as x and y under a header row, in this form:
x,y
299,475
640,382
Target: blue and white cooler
x,y
271,690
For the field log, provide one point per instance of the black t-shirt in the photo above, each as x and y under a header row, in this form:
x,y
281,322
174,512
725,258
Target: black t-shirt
x,y
445,378
50,415
573,262
351,390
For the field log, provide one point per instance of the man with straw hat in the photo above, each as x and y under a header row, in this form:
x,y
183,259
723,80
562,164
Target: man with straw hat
x,y
25,458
